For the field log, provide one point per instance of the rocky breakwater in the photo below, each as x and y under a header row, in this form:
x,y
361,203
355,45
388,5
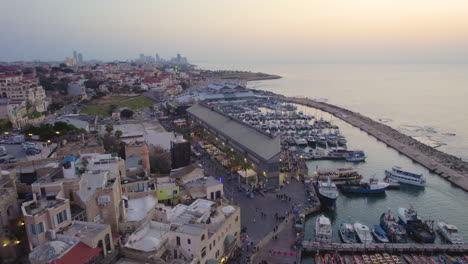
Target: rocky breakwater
x,y
449,167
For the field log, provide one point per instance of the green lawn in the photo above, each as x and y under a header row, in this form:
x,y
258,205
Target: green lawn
x,y
102,106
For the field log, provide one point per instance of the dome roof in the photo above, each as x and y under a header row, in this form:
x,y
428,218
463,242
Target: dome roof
x,y
228,210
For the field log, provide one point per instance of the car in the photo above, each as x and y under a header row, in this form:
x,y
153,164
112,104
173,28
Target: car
x,y
32,151
12,159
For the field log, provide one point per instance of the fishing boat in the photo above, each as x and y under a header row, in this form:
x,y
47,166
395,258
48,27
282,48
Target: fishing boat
x,y
366,259
379,234
400,175
363,233
356,156
373,187
347,232
341,140
340,174
327,193
450,233
421,230
331,140
323,229
374,259
338,153
396,232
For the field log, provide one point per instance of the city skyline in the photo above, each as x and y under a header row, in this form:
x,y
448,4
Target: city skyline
x,y
360,30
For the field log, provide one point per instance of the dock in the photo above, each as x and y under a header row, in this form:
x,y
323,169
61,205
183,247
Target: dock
x,y
447,166
390,247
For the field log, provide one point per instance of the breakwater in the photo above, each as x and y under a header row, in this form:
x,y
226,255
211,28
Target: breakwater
x,y
447,166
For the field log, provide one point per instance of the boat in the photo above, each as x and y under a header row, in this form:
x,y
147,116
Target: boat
x,y
340,174
322,141
363,233
396,232
450,233
323,229
374,259
359,260
331,140
400,175
419,229
379,234
366,259
356,156
318,259
311,141
397,259
409,259
348,259
347,232
338,153
341,140
327,193
374,186
300,141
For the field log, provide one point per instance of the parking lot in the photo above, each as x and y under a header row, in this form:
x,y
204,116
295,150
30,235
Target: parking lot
x,y
16,150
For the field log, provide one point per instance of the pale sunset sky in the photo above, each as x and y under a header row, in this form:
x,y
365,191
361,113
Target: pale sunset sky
x,y
221,30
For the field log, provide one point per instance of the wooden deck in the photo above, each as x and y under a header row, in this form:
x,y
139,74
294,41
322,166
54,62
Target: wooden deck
x,y
375,247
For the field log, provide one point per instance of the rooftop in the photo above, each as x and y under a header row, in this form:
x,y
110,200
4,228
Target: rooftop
x,y
90,182
151,236
190,229
85,229
249,138
81,253
55,249
139,208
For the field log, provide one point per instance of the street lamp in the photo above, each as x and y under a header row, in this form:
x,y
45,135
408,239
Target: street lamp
x,y
57,132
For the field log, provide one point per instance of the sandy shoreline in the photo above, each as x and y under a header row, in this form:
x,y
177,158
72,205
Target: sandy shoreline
x,y
449,167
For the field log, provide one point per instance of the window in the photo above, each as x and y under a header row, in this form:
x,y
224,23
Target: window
x,y
203,237
188,241
178,241
237,219
210,247
36,229
61,217
217,254
214,242
203,252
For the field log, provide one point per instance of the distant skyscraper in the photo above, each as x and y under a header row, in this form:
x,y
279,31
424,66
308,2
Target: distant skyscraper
x,y
75,55
157,58
80,58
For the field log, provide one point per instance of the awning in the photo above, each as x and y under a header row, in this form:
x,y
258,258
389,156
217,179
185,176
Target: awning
x,y
246,174
229,239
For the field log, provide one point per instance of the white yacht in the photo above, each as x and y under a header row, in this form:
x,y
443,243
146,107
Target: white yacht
x,y
363,233
323,229
400,175
450,233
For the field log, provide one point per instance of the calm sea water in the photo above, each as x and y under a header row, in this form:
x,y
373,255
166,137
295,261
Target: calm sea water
x,y
425,101
428,102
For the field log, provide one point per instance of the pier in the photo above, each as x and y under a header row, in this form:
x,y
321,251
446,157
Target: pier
x,y
449,167
390,248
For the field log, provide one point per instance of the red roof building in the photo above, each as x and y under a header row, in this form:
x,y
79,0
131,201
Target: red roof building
x,y
79,254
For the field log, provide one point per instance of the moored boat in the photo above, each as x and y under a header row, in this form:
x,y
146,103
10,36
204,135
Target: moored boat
x,y
450,233
340,174
356,156
363,233
347,232
373,187
379,234
395,232
323,229
400,175
327,193
421,230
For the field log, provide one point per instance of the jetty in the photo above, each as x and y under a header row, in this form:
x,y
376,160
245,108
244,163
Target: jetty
x,y
447,166
390,247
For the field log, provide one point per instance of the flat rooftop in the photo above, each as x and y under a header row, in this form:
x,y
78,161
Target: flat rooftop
x,y
139,208
247,137
151,236
85,229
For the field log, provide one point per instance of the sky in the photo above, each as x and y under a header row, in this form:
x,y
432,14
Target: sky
x,y
237,30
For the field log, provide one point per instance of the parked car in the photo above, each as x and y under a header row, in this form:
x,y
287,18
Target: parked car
x,y
33,151
3,151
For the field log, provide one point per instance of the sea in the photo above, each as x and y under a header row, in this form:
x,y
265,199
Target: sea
x,y
428,102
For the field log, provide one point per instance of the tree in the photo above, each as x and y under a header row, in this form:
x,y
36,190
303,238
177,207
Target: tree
x,y
126,113
118,133
112,108
109,128
160,159
93,84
